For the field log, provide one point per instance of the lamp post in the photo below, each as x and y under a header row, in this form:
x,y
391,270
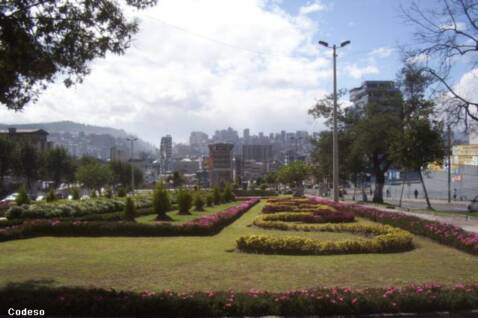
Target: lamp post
x,y
335,151
132,140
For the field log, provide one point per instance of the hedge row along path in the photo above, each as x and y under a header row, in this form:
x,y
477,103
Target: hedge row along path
x,y
384,238
209,263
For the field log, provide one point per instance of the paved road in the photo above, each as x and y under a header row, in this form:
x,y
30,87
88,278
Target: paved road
x,y
440,205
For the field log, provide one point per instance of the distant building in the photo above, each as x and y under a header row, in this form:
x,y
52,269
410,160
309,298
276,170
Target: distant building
x,y
198,141
474,134
464,155
186,166
257,152
373,92
252,170
35,137
118,154
220,164
165,153
202,177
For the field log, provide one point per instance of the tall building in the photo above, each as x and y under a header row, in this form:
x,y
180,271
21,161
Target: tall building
x,y
261,153
165,153
246,135
198,139
35,137
220,164
373,92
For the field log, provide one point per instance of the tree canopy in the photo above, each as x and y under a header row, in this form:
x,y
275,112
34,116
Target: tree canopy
x,y
42,40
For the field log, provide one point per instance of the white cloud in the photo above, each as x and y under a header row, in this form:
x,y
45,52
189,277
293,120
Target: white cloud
x,y
311,7
381,52
177,78
466,86
358,72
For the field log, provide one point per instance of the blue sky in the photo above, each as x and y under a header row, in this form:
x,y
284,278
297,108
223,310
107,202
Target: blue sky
x,y
209,64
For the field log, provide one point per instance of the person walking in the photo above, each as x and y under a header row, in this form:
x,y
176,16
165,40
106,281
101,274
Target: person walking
x,y
416,193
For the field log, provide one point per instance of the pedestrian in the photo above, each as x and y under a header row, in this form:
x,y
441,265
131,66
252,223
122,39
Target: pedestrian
x,y
454,194
388,193
416,193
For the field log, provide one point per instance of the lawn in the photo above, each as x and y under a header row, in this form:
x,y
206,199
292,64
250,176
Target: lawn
x,y
151,218
209,263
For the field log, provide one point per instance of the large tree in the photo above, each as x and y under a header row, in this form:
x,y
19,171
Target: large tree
x,y
27,162
446,39
58,165
6,157
94,175
41,40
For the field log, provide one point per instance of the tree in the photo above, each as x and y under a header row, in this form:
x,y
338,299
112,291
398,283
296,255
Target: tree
x,y
22,197
45,39
420,142
177,179
198,202
27,162
121,173
445,35
129,210
294,173
6,157
227,195
58,165
93,175
161,203
216,194
185,202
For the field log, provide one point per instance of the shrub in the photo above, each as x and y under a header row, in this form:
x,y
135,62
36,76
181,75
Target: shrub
x,y
209,200
198,202
14,212
108,193
50,197
216,193
22,197
75,193
161,203
93,194
185,201
121,192
227,195
129,210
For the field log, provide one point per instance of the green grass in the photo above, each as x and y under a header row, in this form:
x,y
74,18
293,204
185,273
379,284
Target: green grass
x,y
151,218
207,263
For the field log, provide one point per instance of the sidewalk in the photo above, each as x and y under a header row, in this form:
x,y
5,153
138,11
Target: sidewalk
x,y
467,223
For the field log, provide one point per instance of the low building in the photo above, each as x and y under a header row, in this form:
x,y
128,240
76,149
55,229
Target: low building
x,y
252,170
35,137
220,164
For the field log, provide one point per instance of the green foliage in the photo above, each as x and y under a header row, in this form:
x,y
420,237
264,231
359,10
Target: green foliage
x,y
51,196
227,194
6,156
121,192
27,162
43,39
209,200
75,193
294,173
129,210
93,194
161,202
93,175
216,193
108,193
22,197
185,201
121,174
198,202
57,165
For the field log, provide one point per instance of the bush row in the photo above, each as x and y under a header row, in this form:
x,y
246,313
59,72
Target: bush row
x,y
325,216
446,234
74,209
77,301
207,225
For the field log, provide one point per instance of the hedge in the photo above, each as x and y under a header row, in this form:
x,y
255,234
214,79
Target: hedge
x,y
206,225
387,239
78,301
443,233
75,209
323,216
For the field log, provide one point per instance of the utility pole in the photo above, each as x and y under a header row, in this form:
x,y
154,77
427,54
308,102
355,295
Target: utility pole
x,y
335,151
449,162
132,140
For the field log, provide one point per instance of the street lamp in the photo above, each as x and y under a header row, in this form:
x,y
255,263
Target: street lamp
x,y
132,140
335,152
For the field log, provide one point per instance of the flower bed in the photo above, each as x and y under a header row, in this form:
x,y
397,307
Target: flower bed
x,y
74,209
68,301
446,234
207,225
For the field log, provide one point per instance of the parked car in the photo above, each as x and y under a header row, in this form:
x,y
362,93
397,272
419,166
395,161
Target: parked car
x,y
8,200
473,206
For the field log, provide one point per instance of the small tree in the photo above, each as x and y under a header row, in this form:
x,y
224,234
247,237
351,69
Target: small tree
x,y
93,194
227,194
198,202
75,193
121,192
129,210
22,197
209,200
108,193
185,201
51,196
161,203
216,196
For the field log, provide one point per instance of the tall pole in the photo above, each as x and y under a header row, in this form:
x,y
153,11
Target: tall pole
x,y
132,140
449,162
335,150
334,137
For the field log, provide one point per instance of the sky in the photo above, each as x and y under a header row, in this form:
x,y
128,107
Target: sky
x,y
211,64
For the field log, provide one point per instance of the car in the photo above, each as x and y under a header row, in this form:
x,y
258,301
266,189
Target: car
x,y
473,206
8,200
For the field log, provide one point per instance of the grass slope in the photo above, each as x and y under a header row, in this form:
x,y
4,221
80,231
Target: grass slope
x,y
206,263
